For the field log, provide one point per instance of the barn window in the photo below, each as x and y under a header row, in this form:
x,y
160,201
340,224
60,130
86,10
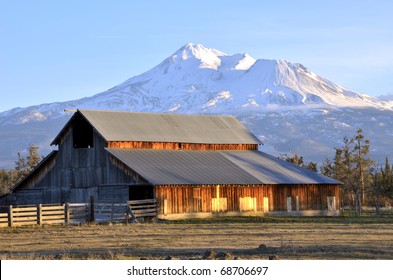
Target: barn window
x,y
82,134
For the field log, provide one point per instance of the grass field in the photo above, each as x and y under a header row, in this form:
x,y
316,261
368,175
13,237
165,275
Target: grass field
x,y
368,237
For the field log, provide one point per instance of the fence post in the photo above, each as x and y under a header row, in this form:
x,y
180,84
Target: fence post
x,y
127,213
10,217
39,214
112,209
67,213
91,209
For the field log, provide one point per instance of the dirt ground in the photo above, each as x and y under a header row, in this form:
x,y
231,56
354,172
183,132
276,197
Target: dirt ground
x,y
236,239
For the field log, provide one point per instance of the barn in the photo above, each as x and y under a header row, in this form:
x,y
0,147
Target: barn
x,y
193,165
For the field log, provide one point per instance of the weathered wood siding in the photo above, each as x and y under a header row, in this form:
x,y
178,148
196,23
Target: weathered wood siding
x,y
76,174
311,197
184,199
179,146
181,199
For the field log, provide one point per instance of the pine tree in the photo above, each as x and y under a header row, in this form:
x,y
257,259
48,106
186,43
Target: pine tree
x,y
33,158
298,160
342,170
327,168
360,152
352,167
385,180
5,181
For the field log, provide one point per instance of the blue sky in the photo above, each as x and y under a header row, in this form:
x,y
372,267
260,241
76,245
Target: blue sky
x,y
62,50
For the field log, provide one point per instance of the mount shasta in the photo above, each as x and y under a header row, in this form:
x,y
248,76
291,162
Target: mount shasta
x,y
288,107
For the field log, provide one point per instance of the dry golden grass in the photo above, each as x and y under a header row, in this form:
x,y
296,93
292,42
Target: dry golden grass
x,y
288,239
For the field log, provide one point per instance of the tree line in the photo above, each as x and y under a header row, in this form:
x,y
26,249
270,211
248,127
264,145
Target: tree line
x,y
365,183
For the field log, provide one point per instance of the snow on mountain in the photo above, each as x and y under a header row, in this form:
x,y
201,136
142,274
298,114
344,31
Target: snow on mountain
x,y
199,79
196,79
386,97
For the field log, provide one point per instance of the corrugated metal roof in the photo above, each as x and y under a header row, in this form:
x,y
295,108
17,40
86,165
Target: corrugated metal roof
x,y
131,126
175,167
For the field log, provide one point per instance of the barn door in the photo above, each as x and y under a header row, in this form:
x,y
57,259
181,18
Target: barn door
x,y
331,203
197,199
219,204
265,204
140,192
297,203
289,204
247,204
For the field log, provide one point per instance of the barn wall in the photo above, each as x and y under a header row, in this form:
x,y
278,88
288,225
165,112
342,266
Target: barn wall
x,y
76,174
198,198
189,199
311,197
94,172
37,188
179,146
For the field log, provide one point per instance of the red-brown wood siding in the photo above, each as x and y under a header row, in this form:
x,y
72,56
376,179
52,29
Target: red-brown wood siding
x,y
180,199
179,146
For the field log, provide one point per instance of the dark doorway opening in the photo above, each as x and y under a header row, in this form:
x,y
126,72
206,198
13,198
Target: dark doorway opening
x,y
141,192
82,134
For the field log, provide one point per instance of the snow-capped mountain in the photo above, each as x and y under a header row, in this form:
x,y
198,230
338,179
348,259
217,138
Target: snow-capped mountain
x,y
269,96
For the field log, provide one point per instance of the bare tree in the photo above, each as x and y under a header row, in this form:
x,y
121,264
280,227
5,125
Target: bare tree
x,y
23,166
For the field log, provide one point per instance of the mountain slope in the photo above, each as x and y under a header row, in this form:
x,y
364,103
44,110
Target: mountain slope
x,y
196,79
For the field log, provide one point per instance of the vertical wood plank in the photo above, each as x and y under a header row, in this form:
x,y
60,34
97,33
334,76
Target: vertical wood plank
x,y
265,204
39,214
112,210
289,204
10,217
91,209
165,206
67,213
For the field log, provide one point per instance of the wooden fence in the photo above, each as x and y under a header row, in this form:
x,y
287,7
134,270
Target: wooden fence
x,y
143,208
110,212
3,219
78,213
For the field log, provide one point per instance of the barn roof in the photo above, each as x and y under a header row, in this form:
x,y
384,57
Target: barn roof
x,y
152,127
173,167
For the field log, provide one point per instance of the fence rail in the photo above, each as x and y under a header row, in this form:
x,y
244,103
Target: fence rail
x,y
110,212
23,216
142,208
78,213
51,214
3,219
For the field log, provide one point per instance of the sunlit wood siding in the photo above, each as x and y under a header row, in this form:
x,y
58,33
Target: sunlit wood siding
x,y
184,199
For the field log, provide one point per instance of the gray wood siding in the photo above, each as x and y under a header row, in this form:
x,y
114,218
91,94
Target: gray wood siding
x,y
76,174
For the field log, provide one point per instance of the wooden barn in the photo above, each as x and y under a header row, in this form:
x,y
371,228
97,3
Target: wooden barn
x,y
193,165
